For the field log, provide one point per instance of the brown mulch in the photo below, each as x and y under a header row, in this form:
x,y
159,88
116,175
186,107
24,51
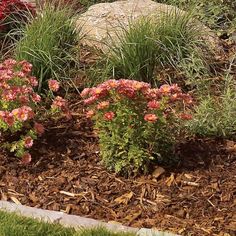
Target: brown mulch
x,y
196,197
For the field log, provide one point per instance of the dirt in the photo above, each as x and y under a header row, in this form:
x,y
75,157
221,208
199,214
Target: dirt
x,y
194,197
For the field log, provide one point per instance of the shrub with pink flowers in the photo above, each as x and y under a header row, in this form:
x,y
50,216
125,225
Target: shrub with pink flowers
x,y
136,124
13,13
21,107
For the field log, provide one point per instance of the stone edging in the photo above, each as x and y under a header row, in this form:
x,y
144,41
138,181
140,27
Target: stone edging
x,y
75,221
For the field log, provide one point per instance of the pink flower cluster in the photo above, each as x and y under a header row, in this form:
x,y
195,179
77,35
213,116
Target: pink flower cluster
x,y
18,101
106,94
20,105
16,91
13,9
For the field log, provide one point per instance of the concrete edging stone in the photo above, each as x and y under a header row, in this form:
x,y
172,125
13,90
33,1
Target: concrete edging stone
x,y
75,221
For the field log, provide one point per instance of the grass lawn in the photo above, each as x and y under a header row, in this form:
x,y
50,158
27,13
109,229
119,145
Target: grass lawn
x,y
14,225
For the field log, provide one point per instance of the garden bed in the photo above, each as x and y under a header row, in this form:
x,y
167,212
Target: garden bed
x,y
196,197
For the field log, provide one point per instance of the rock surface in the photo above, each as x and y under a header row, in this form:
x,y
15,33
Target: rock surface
x,y
101,22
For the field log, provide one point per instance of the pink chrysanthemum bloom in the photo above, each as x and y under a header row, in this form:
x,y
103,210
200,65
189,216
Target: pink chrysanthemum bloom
x,y
28,142
90,113
33,81
109,115
153,105
53,85
26,158
59,102
112,83
85,92
39,128
35,97
152,118
103,105
24,113
90,100
9,118
165,89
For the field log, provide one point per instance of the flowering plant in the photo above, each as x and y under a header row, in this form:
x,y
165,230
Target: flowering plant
x,y
136,123
13,13
21,107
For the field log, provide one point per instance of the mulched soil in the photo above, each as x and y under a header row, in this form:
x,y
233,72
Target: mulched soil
x,y
196,197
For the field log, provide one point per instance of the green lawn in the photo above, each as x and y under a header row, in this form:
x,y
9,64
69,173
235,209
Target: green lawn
x,y
14,225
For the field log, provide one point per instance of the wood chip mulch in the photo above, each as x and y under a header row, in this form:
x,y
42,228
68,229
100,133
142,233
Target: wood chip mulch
x,y
196,197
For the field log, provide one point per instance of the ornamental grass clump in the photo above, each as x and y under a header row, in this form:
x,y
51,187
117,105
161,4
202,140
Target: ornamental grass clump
x,y
136,124
21,108
49,43
171,40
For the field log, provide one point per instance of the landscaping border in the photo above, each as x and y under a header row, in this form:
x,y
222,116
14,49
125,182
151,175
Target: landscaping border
x,y
75,221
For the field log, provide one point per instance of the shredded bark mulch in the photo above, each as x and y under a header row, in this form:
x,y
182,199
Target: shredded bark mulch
x,y
196,197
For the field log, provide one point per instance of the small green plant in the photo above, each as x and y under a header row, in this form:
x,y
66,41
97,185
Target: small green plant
x,y
136,124
21,107
49,42
149,45
215,115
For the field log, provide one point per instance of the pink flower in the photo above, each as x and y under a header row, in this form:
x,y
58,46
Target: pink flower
x,y
28,142
103,105
112,83
59,102
9,62
53,85
24,113
33,81
9,118
153,105
20,74
39,128
152,118
175,88
35,97
165,89
90,100
137,85
109,115
90,113
126,91
85,92
24,99
26,158
99,92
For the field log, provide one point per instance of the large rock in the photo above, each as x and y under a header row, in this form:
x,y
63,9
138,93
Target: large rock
x,y
101,22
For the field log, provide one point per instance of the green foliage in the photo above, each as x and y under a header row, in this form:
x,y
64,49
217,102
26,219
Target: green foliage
x,y
48,43
102,232
215,115
135,53
171,40
15,225
136,124
217,14
88,3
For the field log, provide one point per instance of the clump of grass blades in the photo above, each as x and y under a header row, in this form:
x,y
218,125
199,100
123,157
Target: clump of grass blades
x,y
151,44
15,225
48,42
134,52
